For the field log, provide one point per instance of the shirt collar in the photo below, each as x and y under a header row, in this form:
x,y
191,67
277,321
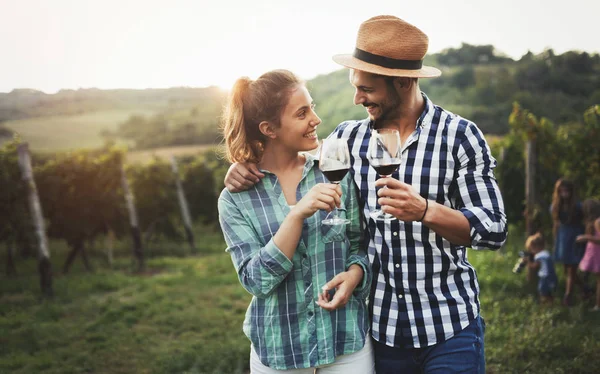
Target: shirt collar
x,y
311,161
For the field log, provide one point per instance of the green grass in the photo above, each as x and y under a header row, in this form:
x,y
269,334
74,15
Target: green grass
x,y
523,336
184,315
68,132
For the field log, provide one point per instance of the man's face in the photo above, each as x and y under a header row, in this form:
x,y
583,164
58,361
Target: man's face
x,y
377,94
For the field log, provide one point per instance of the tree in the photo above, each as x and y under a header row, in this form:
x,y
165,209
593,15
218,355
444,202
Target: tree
x,y
15,221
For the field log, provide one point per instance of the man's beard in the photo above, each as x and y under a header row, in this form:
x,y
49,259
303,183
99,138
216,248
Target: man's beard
x,y
388,109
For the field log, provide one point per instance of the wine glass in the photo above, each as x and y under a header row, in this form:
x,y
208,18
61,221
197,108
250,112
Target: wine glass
x,y
384,154
334,162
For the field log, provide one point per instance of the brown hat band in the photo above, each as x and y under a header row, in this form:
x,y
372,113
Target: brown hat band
x,y
387,62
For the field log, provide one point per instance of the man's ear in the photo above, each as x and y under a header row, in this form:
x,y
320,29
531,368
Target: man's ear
x,y
402,83
267,129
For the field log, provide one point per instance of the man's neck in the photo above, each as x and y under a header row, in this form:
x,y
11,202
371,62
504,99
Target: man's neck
x,y
408,113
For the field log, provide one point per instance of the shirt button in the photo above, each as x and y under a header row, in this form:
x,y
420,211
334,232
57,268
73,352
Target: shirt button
x,y
400,296
310,313
395,233
397,266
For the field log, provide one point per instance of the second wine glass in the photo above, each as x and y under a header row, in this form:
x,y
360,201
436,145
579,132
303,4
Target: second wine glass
x,y
384,154
334,162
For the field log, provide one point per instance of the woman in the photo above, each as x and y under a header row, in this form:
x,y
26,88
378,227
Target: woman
x,y
284,257
567,216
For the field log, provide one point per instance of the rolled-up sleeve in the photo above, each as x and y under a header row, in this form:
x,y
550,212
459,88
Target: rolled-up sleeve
x,y
357,253
478,189
260,268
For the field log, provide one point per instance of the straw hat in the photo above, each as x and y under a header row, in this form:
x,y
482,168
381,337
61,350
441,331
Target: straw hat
x,y
387,45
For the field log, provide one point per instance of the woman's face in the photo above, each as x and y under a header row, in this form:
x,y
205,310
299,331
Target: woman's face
x,y
299,121
564,192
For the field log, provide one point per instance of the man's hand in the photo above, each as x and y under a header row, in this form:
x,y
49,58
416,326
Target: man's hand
x,y
242,176
344,284
400,200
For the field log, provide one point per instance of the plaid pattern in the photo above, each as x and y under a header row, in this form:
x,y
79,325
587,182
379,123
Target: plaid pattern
x,y
285,325
424,290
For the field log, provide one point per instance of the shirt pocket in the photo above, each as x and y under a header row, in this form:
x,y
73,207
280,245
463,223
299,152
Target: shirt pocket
x,y
333,233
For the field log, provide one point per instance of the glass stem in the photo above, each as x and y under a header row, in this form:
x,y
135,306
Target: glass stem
x,y
384,187
335,210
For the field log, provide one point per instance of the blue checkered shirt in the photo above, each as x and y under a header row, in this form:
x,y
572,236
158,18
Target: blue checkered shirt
x,y
286,327
424,290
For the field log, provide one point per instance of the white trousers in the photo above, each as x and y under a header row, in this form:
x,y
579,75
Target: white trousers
x,y
360,362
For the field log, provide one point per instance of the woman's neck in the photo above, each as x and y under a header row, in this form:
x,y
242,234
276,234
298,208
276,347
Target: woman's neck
x,y
279,160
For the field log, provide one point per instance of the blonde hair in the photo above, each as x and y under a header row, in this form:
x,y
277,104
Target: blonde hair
x,y
536,240
250,103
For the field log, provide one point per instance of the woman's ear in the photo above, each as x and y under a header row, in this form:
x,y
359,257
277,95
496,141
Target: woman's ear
x,y
266,129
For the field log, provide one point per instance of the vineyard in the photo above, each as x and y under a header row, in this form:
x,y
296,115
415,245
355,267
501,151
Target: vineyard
x,y
84,196
111,260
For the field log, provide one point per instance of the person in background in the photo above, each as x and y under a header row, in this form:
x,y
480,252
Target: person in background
x,y
591,259
282,253
567,217
542,262
424,299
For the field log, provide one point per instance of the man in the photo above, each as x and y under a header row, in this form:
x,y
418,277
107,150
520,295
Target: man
x,y
424,296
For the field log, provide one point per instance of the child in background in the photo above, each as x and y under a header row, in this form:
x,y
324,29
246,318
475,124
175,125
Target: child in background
x,y
567,215
542,262
591,259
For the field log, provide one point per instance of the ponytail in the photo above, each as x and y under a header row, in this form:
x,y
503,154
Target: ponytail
x,y
241,145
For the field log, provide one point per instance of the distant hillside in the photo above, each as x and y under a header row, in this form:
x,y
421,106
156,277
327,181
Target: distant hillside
x,y
477,82
481,85
89,117
27,103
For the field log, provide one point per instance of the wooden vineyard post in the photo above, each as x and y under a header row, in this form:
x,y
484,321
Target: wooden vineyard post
x,y
10,259
138,250
44,267
530,188
110,244
185,212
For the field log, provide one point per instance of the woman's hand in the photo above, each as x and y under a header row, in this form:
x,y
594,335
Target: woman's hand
x,y
581,238
344,284
323,196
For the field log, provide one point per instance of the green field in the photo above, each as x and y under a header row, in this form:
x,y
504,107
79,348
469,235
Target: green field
x,y
184,315
165,153
68,132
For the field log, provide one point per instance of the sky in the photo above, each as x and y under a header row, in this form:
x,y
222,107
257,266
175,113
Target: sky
x,y
50,45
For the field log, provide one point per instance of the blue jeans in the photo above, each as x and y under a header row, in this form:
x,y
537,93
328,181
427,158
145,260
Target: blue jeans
x,y
463,353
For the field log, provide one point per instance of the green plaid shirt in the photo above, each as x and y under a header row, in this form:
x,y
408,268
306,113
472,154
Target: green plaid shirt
x,y
285,325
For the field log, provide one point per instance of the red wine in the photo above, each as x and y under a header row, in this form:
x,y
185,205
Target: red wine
x,y
386,169
335,176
